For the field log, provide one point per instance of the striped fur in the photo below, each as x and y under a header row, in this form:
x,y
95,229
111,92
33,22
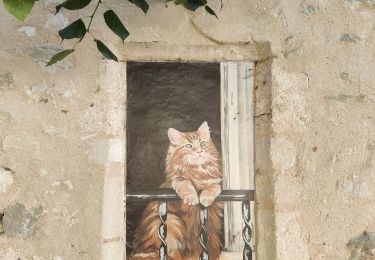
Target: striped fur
x,y
193,170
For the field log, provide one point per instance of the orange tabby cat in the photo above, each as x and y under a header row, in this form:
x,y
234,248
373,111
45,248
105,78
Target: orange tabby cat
x,y
193,170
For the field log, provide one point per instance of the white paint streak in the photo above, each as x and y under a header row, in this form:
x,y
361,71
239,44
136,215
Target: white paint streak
x,y
283,154
6,179
68,94
68,184
56,184
57,21
30,31
116,151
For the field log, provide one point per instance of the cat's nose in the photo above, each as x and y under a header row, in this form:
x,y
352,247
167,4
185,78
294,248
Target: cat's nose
x,y
199,151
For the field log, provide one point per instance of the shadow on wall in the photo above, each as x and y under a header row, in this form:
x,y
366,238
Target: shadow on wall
x,y
265,239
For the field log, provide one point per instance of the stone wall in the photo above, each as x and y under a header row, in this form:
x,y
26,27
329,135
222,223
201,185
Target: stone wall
x,y
60,134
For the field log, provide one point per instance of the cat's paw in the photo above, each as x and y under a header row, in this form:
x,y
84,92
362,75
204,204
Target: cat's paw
x,y
206,198
190,199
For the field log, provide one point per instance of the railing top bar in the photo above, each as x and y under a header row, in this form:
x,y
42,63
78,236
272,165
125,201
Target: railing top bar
x,y
168,194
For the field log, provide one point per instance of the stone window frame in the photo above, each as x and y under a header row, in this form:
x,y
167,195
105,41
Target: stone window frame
x,y
113,82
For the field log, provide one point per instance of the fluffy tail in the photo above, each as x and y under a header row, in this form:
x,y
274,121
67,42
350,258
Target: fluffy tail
x,y
146,235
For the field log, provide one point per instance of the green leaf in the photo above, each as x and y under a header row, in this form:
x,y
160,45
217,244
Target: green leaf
x,y
75,30
210,11
141,4
202,2
115,24
19,8
105,51
59,56
72,5
194,4
179,2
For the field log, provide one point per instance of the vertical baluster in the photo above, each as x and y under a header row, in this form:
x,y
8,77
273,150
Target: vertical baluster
x,y
163,230
203,216
246,232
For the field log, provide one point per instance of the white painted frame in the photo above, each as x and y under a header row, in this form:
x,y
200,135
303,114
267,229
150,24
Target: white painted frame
x,y
113,79
113,83
237,130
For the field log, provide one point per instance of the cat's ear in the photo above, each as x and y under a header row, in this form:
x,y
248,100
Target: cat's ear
x,y
204,131
175,136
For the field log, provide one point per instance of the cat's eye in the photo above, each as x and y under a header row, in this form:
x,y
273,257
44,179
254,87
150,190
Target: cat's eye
x,y
203,144
188,146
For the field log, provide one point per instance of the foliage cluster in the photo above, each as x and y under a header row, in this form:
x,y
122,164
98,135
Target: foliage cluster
x,y
78,29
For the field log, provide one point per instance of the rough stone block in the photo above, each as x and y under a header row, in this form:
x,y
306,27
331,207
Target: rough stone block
x,y
6,81
17,220
362,247
291,108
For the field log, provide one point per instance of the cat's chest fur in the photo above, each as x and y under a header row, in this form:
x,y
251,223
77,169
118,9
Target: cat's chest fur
x,y
203,176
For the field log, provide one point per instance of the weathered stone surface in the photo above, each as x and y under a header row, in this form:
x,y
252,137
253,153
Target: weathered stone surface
x,y
356,186
68,184
38,258
10,254
344,98
43,172
51,130
290,241
41,93
6,179
17,220
283,154
91,120
362,247
322,95
346,37
310,9
360,5
6,81
290,102
20,142
292,47
5,118
41,54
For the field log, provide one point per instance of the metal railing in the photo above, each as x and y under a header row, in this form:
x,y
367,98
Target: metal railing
x,y
165,195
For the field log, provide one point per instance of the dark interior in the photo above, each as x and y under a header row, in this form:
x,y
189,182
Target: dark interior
x,y
159,96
